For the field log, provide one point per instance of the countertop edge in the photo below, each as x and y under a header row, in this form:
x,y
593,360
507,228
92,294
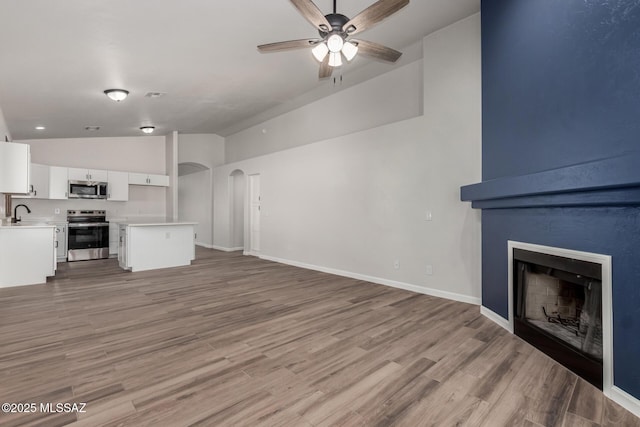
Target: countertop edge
x,y
154,224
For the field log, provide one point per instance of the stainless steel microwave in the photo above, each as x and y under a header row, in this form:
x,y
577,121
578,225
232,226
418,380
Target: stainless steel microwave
x,y
87,190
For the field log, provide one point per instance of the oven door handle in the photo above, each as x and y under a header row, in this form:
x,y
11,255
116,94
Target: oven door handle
x,y
88,224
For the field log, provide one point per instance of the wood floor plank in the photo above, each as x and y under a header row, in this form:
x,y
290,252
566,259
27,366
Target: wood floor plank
x,y
237,341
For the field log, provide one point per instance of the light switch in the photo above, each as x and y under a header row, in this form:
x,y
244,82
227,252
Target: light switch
x,y
428,216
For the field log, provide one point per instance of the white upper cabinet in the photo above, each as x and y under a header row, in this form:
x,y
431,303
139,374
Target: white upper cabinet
x,y
47,182
15,162
148,179
39,183
94,175
58,183
118,186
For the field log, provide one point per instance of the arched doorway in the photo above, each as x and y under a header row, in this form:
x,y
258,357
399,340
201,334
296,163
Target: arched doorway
x,y
237,186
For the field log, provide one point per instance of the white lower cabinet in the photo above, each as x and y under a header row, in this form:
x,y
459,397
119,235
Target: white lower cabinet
x,y
123,255
30,255
113,238
61,241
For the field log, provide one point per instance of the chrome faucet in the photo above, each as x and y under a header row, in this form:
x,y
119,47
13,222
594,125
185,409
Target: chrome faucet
x,y
15,214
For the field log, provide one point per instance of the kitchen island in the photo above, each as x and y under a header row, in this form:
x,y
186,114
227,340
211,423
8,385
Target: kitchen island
x,y
155,244
28,253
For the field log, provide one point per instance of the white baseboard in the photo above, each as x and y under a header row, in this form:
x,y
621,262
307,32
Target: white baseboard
x,y
496,318
222,248
625,400
204,245
400,285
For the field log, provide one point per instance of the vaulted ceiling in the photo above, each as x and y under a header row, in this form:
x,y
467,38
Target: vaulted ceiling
x,y
57,58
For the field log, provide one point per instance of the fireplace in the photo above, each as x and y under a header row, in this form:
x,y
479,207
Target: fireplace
x,y
557,306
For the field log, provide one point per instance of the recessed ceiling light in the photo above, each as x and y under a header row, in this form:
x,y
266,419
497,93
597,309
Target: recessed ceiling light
x,y
154,94
40,128
92,128
147,129
116,94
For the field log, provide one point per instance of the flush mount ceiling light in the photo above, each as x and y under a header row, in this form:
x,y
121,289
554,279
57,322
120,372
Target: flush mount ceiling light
x,y
40,128
147,129
335,32
116,94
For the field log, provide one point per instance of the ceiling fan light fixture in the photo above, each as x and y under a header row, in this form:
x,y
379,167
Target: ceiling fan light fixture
x,y
335,43
320,51
147,129
117,94
335,59
349,50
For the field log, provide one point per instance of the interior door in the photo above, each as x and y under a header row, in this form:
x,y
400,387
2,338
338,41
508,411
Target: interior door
x,y
254,213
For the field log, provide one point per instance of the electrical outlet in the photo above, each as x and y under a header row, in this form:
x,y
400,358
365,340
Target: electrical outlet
x,y
396,264
168,235
56,211
429,270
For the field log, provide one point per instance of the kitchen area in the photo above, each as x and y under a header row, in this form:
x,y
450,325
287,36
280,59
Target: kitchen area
x,y
56,213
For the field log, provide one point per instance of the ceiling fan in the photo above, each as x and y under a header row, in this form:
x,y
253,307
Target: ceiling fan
x,y
335,34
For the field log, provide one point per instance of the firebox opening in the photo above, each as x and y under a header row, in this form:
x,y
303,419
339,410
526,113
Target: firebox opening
x,y
558,309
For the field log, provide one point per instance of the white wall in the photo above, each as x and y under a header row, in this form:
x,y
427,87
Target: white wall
x,y
388,98
238,187
206,149
144,154
356,203
194,204
195,191
4,132
138,154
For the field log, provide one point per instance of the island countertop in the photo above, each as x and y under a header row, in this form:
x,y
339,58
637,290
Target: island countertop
x,y
147,223
23,225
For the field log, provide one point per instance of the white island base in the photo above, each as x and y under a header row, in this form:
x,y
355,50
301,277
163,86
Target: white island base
x,y
28,254
149,246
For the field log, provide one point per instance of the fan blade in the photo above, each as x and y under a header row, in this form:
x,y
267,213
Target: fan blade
x,y
377,51
288,45
310,11
373,14
325,68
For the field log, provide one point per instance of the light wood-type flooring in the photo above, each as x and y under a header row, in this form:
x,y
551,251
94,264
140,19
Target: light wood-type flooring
x,y
237,341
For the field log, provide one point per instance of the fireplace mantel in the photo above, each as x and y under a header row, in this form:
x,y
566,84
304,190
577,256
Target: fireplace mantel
x,y
613,181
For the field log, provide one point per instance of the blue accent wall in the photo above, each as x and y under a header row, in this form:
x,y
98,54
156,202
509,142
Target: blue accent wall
x,y
561,139
561,83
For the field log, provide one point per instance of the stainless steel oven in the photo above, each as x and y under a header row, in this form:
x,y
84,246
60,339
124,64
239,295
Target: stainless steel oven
x,y
88,235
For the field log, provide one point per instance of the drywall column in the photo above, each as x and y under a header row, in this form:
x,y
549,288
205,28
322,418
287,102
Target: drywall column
x,y
172,171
